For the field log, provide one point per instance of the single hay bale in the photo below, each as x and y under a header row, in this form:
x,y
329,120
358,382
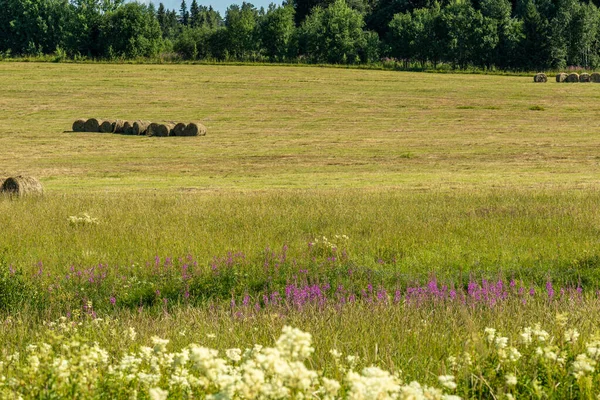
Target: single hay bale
x,y
162,130
561,77
595,77
151,128
127,128
178,129
119,126
194,129
574,77
585,77
107,126
92,125
540,78
79,125
140,127
21,186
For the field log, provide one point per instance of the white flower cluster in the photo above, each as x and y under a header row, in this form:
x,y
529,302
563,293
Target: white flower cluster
x,y
324,243
67,367
514,365
83,219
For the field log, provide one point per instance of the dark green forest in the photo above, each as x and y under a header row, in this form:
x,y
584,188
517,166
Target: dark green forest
x,y
487,34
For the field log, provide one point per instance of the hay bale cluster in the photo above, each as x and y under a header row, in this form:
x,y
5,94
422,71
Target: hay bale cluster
x,y
572,77
145,128
22,186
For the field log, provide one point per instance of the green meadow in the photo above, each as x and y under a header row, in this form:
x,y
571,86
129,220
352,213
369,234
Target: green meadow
x,y
432,177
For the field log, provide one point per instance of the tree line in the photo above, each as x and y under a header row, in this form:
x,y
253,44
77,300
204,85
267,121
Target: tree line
x,y
503,34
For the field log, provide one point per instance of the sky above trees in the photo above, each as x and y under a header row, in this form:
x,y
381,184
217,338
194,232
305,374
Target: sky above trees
x,y
219,5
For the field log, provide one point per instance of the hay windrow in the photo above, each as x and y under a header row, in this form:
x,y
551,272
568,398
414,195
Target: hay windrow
x,y
584,78
21,186
79,125
141,127
107,126
574,77
93,125
540,78
561,77
194,129
178,129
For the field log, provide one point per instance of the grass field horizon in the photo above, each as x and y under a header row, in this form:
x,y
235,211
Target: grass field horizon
x,y
395,216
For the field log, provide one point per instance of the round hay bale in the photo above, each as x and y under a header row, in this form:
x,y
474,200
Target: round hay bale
x,y
540,78
79,125
595,77
21,186
194,129
561,77
92,125
162,130
107,126
178,129
584,78
574,77
119,126
140,127
152,128
127,128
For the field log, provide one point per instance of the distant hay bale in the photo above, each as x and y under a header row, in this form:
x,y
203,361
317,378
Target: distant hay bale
x,y
178,129
194,129
540,78
161,130
140,127
127,128
92,125
79,125
119,126
21,186
561,77
595,77
574,77
584,78
107,126
151,128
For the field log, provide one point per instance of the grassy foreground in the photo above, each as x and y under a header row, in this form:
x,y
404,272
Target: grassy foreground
x,y
355,205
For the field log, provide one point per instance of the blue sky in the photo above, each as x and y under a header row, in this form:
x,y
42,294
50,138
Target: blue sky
x,y
219,5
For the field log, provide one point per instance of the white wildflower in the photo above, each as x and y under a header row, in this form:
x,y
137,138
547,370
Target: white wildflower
x,y
526,336
501,342
447,381
571,336
582,365
513,354
490,334
295,344
511,379
540,334
234,354
158,394
371,383
160,345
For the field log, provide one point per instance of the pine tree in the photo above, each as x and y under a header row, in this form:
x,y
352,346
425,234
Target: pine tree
x,y
184,15
161,17
195,14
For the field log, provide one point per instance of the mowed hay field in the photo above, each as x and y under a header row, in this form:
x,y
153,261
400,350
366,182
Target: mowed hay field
x,y
443,172
392,215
